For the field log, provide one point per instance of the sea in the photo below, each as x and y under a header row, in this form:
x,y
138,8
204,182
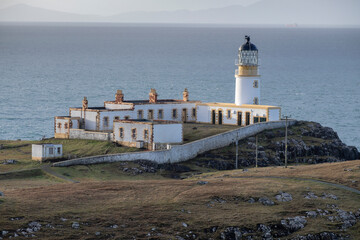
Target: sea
x,y
312,73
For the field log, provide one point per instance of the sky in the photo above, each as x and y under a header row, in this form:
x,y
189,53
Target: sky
x,y
109,7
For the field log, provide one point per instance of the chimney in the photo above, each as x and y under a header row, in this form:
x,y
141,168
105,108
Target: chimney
x,y
153,96
185,95
119,96
85,103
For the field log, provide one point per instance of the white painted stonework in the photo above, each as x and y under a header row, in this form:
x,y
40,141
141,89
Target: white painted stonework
x,y
98,122
245,90
42,152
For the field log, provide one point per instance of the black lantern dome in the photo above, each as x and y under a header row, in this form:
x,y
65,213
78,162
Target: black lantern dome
x,y
248,46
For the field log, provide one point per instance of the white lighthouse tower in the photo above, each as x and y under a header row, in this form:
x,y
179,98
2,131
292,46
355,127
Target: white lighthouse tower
x,y
247,89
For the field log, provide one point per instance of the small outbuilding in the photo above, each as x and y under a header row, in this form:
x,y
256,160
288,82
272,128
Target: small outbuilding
x,y
42,152
149,134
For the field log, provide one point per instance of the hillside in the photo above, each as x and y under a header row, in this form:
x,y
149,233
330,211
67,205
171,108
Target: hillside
x,y
233,204
283,12
197,199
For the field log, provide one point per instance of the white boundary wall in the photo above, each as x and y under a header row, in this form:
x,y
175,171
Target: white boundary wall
x,y
180,153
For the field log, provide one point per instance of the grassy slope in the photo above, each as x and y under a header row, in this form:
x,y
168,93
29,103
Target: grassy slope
x,y
144,204
21,150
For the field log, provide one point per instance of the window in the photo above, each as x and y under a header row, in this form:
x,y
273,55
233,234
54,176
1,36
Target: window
x,y
51,151
59,150
116,118
151,114
66,126
256,101
106,121
127,117
228,114
71,124
146,134
263,119
160,114
59,125
256,119
193,112
174,113
256,84
121,132
133,133
140,114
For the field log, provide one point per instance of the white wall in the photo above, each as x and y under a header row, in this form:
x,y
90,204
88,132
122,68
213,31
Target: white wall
x,y
89,135
168,133
205,114
37,150
62,128
245,91
179,153
274,114
113,106
90,120
140,127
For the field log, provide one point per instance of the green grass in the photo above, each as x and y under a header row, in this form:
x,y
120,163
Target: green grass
x,y
72,148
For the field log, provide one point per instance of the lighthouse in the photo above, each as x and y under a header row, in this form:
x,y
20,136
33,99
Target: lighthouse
x,y
247,86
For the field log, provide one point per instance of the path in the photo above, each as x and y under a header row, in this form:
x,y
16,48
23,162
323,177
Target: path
x,y
47,168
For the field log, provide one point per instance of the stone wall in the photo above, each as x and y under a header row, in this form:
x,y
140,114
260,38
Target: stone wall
x,y
179,153
82,134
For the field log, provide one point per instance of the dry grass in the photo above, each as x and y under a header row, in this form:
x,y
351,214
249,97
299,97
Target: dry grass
x,y
139,206
72,148
346,173
196,131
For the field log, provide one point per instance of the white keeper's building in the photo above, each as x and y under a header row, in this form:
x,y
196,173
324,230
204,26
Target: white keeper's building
x,y
103,123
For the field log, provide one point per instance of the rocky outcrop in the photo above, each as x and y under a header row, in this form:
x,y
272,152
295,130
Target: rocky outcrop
x,y
308,142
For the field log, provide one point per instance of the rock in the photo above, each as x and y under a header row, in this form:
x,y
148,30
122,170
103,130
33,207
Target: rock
x,y
251,200
284,197
329,195
266,201
347,218
184,225
232,233
114,226
75,225
218,200
9,161
63,219
4,233
265,230
294,224
202,182
34,226
311,214
98,233
320,236
310,195
2,194
180,238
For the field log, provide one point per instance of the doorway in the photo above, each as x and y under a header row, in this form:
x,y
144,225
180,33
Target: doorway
x,y
239,118
247,118
213,117
220,117
184,115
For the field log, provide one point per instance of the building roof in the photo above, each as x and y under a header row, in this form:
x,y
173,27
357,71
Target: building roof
x,y
159,101
146,121
248,46
48,144
233,105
